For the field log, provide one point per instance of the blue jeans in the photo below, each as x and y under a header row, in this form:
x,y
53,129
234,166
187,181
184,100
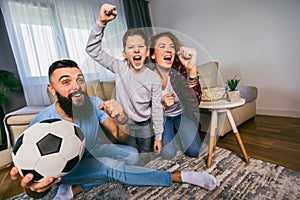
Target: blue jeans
x,y
141,136
112,162
188,135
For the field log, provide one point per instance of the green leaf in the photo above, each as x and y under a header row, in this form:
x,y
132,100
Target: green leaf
x,y
233,83
8,82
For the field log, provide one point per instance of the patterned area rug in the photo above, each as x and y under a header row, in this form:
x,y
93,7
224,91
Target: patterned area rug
x,y
236,180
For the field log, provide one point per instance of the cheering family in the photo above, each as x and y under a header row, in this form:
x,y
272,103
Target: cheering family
x,y
151,105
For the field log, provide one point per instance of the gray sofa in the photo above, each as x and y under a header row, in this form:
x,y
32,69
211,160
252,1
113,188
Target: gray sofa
x,y
210,77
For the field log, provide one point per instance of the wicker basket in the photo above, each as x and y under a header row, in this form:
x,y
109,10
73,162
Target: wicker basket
x,y
213,94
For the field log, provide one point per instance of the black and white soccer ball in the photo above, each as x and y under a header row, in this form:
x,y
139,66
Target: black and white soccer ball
x,y
50,148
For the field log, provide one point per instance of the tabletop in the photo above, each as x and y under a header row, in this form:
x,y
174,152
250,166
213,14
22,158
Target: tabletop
x,y
221,104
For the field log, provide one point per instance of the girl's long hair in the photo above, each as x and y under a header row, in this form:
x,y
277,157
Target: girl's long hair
x,y
177,44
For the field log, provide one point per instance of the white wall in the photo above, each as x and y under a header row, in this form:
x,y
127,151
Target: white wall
x,y
257,40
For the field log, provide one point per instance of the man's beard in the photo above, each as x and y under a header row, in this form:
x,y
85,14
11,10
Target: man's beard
x,y
75,112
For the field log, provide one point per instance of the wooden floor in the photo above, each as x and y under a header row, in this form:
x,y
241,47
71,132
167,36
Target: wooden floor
x,y
269,138
272,139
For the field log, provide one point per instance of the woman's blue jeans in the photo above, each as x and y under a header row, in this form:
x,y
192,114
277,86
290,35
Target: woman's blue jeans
x,y
112,162
188,134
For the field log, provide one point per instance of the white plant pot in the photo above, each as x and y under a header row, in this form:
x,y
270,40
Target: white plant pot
x,y
233,96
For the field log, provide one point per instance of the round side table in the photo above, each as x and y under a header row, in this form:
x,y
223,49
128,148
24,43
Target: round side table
x,y
222,106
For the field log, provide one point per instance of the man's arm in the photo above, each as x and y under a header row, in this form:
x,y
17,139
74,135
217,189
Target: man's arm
x,y
117,122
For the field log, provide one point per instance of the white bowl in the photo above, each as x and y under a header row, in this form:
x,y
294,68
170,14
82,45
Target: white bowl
x,y
213,94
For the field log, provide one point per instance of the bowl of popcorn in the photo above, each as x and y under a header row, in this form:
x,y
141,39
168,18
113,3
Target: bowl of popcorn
x,y
213,94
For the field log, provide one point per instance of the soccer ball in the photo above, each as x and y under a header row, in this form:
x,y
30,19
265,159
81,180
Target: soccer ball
x,y
50,148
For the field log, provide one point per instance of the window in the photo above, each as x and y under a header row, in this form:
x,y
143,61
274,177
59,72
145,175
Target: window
x,y
43,31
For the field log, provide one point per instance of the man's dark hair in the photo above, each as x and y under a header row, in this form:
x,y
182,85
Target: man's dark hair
x,y
61,64
132,32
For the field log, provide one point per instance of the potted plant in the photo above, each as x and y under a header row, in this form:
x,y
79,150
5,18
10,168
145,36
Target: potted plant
x,y
232,93
8,82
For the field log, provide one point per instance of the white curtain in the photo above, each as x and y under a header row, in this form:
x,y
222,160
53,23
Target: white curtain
x,y
43,31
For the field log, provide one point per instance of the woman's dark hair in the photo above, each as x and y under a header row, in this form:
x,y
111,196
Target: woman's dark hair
x,y
61,64
177,44
132,32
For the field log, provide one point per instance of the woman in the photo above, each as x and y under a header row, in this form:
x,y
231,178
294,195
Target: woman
x,y
181,93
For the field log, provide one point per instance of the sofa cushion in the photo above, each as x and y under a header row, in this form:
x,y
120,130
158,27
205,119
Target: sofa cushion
x,y
90,86
20,119
105,90
208,74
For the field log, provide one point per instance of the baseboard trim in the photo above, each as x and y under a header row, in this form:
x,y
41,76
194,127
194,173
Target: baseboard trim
x,y
282,113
